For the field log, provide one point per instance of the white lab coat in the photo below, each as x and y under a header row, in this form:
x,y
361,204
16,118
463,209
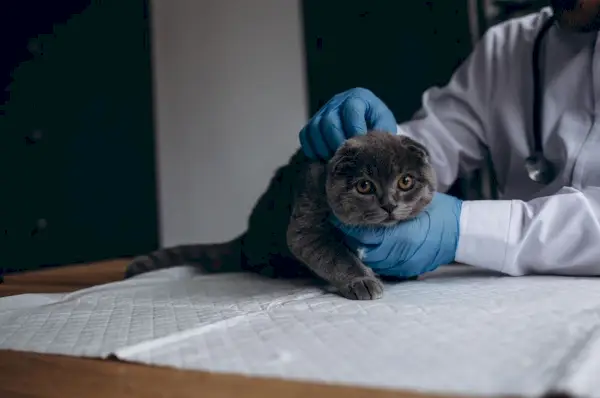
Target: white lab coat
x,y
487,106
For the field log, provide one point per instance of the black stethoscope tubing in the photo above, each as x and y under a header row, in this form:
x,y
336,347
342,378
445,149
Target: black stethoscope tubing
x,y
538,167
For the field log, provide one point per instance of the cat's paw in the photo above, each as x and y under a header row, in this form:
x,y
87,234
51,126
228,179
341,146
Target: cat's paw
x,y
363,288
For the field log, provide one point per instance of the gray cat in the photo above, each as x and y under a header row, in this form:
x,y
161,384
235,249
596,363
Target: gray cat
x,y
377,179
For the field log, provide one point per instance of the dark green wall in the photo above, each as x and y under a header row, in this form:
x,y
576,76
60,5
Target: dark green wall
x,y
395,48
76,135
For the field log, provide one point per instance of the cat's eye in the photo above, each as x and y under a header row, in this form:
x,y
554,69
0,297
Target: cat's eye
x,y
406,182
365,187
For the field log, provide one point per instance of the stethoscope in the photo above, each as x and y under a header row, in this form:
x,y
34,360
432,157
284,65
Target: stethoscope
x,y
538,167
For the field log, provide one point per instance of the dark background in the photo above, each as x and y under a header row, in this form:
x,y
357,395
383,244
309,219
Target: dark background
x,y
76,136
396,49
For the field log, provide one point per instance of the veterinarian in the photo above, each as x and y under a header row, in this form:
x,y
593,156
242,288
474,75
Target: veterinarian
x,y
548,218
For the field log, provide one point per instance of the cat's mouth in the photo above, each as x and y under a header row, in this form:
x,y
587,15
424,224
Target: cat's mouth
x,y
393,219
389,221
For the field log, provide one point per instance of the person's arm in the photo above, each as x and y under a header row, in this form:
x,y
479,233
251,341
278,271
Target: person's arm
x,y
558,234
452,120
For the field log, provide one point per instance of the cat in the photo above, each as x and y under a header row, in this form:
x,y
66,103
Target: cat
x,y
377,179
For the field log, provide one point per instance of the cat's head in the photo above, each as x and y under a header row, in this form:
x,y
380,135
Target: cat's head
x,y
379,179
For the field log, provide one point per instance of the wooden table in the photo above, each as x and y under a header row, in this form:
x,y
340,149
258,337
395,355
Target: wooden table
x,y
39,375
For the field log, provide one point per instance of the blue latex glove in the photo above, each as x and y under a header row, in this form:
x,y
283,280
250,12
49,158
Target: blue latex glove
x,y
347,114
412,247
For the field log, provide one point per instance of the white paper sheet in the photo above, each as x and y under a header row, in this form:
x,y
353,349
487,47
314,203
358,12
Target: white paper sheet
x,y
456,331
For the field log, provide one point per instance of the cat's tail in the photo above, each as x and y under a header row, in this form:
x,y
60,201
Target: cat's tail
x,y
210,258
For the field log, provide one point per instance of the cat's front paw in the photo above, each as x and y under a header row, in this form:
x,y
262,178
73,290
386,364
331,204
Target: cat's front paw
x,y
363,288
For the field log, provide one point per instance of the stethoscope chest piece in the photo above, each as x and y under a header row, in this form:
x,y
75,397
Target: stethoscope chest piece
x,y
539,169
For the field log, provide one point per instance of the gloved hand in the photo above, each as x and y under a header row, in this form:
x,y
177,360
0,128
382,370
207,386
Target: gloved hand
x,y
347,114
412,247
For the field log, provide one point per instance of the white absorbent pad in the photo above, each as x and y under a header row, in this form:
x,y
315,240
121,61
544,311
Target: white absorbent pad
x,y
458,330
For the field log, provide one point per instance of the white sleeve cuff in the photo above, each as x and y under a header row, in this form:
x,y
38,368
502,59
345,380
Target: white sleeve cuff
x,y
484,234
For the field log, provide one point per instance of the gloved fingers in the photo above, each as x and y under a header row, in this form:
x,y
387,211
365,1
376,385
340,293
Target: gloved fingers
x,y
374,114
332,132
306,145
347,114
401,259
382,120
378,254
361,235
315,137
399,243
438,205
416,261
366,236
352,113
311,139
380,117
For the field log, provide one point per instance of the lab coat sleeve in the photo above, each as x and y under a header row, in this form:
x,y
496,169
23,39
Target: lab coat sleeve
x,y
556,235
452,120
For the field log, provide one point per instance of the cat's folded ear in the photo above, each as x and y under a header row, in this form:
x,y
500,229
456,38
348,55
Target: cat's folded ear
x,y
415,147
345,156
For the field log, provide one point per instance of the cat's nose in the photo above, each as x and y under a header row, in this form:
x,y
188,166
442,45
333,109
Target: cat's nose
x,y
389,207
